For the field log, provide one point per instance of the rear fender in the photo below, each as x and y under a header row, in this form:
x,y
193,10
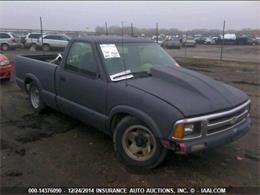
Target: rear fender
x,y
33,78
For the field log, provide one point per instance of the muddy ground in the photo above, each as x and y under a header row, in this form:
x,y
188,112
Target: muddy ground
x,y
53,149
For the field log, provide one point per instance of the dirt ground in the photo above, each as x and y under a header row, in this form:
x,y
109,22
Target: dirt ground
x,y
52,149
250,53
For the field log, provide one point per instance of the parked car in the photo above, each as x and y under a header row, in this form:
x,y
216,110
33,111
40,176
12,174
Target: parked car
x,y
200,40
135,92
159,41
5,68
245,40
257,40
8,41
209,41
172,44
189,43
229,39
53,42
31,39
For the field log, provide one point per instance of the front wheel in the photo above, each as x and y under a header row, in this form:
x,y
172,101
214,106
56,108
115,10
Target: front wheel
x,y
136,145
46,47
35,99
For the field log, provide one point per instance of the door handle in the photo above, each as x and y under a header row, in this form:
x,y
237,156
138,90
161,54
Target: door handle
x,y
63,79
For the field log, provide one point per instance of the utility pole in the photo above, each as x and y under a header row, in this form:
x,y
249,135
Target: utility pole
x,y
106,28
122,24
132,30
41,30
222,44
157,32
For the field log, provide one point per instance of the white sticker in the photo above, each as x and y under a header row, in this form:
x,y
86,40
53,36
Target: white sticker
x,y
109,51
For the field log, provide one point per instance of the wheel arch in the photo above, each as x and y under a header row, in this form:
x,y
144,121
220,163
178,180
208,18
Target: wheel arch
x,y
119,112
4,43
29,78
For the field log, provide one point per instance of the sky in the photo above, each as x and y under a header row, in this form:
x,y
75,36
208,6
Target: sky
x,y
86,15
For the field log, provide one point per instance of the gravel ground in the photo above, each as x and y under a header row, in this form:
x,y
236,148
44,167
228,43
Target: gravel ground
x,y
230,52
53,149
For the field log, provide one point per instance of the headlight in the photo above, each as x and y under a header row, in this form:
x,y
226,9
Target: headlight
x,y
5,62
186,130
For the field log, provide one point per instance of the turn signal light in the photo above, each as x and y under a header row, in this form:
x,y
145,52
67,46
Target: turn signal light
x,y
178,132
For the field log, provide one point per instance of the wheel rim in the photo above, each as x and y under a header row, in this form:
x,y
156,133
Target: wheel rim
x,y
139,143
46,48
5,47
35,97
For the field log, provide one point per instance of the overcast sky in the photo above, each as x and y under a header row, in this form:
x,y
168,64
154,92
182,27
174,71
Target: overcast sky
x,y
65,15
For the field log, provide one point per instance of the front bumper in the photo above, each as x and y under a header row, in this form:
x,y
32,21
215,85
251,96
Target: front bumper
x,y
207,142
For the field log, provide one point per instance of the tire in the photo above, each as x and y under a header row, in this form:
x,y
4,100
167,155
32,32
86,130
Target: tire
x,y
46,47
132,154
33,47
35,99
5,47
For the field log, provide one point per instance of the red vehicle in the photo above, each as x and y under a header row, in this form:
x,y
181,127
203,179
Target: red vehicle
x,y
5,68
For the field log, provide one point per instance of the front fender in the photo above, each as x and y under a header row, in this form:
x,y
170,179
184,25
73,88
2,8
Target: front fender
x,y
144,117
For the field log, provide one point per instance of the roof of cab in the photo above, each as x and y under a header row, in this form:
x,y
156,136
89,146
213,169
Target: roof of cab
x,y
113,39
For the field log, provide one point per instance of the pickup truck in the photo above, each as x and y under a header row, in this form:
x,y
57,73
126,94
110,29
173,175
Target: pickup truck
x,y
131,89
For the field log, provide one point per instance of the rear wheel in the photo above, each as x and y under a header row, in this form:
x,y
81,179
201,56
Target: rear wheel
x,y
4,47
35,99
136,145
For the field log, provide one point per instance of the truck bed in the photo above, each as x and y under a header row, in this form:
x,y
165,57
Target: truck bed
x,y
38,68
43,57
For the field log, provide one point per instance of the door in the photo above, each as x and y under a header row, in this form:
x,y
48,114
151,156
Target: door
x,y
63,41
80,91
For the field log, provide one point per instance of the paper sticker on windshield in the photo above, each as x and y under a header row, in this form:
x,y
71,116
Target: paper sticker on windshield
x,y
109,51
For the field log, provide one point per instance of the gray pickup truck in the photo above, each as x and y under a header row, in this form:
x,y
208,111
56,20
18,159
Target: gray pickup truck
x,y
131,89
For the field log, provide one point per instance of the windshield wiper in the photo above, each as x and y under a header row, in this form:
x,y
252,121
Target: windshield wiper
x,y
128,74
141,74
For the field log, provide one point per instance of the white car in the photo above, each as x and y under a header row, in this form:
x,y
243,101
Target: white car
x,y
8,41
53,42
31,39
209,41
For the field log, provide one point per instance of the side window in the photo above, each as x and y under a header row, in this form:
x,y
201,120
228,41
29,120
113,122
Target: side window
x,y
48,37
81,59
4,36
34,36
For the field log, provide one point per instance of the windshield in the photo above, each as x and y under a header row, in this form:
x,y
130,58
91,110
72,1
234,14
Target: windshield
x,y
127,58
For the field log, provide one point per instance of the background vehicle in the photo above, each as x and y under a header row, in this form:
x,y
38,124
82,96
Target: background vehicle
x,y
135,92
53,42
8,41
245,40
229,39
5,68
172,44
209,41
200,40
31,39
189,42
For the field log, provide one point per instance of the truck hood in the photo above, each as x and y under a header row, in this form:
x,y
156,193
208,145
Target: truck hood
x,y
190,92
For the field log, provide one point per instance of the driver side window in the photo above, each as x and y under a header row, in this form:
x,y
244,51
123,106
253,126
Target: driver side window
x,y
81,59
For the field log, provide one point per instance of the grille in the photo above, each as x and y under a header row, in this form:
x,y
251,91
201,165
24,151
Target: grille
x,y
228,120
